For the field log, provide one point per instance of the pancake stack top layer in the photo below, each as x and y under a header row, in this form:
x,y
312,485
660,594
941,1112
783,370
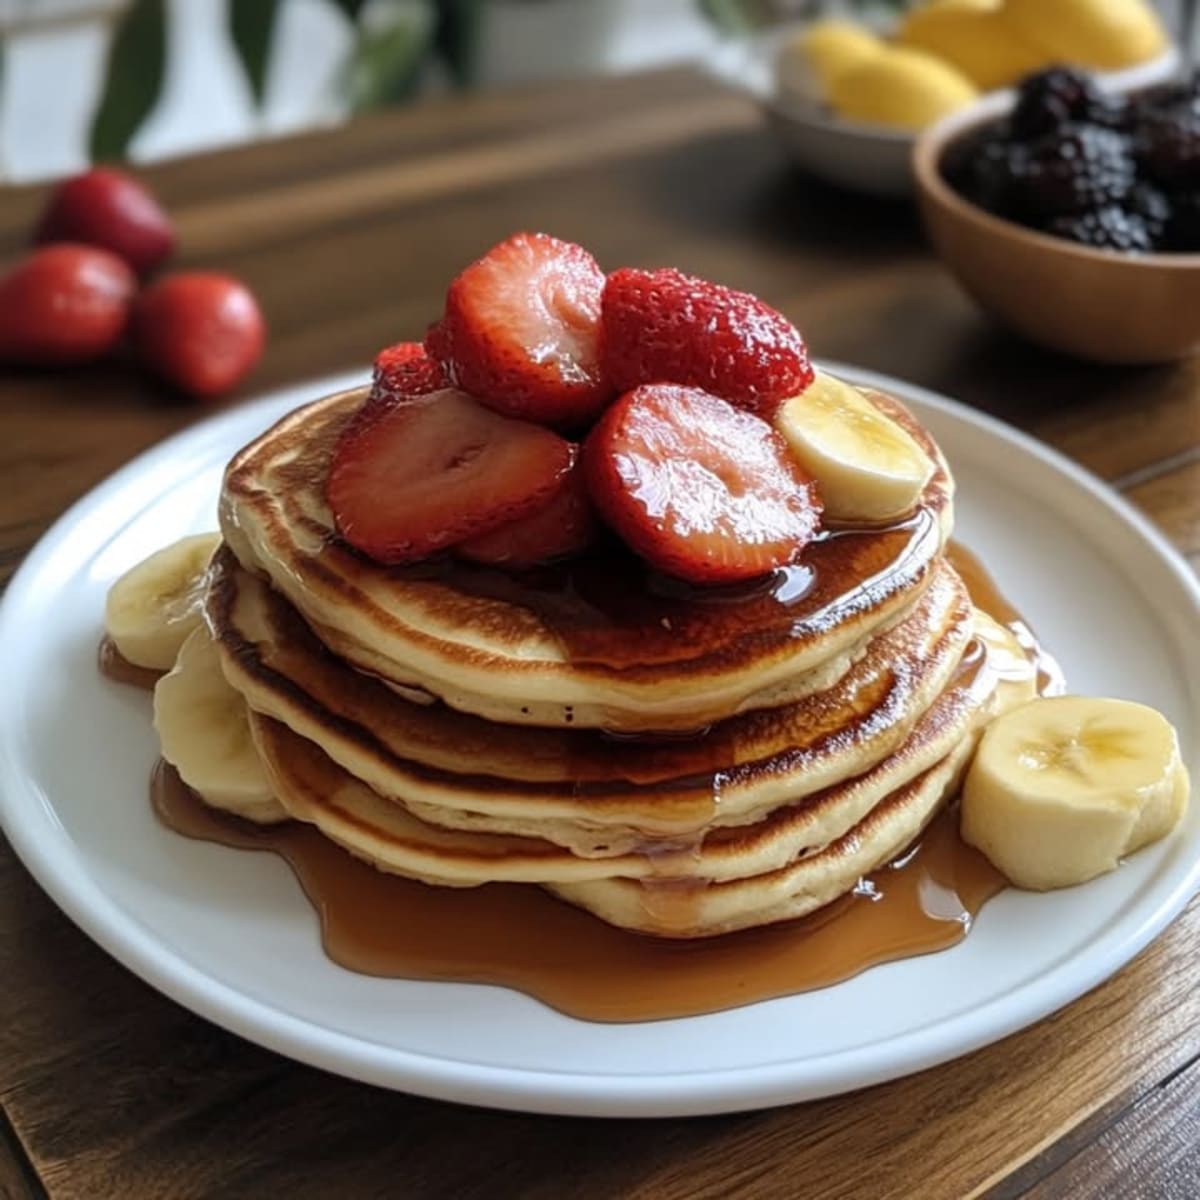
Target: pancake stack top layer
x,y
602,643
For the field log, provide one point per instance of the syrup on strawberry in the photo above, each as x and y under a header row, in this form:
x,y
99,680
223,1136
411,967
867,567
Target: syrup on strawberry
x,y
700,489
521,331
665,326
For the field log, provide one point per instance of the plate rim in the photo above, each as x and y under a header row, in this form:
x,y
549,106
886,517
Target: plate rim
x,y
44,848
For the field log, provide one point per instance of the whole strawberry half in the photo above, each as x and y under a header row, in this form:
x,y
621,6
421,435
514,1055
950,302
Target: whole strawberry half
x,y
564,525
521,331
405,370
106,207
64,304
199,330
664,326
699,488
407,480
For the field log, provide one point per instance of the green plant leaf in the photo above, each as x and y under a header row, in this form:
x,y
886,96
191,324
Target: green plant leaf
x,y
385,67
456,38
252,26
137,59
351,8
732,16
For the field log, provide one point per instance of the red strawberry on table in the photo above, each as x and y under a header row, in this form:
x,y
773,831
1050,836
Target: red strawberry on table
x,y
199,330
414,478
521,331
664,326
564,525
64,304
698,488
405,370
106,207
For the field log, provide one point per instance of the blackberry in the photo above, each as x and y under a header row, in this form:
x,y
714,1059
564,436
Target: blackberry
x,y
1078,163
1152,205
991,174
1112,112
1108,228
1082,167
1168,147
1050,99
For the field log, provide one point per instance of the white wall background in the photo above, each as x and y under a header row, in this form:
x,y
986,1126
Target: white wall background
x,y
52,74
52,68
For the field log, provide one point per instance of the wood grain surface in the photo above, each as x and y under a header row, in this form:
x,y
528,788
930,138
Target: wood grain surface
x,y
109,1090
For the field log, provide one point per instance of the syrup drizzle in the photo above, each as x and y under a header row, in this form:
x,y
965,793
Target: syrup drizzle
x,y
519,936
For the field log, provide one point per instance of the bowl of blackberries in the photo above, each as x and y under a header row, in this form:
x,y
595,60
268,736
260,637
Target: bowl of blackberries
x,y
1072,213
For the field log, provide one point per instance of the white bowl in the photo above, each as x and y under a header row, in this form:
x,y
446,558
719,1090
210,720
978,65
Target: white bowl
x,y
853,154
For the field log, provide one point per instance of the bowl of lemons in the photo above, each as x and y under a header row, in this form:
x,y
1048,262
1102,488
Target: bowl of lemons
x,y
847,99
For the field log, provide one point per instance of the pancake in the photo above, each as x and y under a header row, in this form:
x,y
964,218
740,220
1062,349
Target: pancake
x,y
595,794
800,857
602,642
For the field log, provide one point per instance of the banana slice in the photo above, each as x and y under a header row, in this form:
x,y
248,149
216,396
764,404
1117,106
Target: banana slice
x,y
153,607
205,734
866,467
1063,787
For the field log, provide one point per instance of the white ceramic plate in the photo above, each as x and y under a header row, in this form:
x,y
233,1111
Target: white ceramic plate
x,y
228,933
854,154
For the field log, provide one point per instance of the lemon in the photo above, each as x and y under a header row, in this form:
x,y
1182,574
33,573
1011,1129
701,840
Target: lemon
x,y
1105,34
900,87
823,51
973,36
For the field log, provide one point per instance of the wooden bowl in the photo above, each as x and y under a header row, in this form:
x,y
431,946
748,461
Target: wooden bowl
x,y
1096,304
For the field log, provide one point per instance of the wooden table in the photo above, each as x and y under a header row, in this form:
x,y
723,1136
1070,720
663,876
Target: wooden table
x,y
110,1090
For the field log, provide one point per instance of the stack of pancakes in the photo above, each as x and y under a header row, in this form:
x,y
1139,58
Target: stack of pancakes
x,y
679,761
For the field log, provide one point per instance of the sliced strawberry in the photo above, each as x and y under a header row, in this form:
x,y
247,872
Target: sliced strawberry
x,y
664,326
698,488
521,331
420,476
406,370
563,526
